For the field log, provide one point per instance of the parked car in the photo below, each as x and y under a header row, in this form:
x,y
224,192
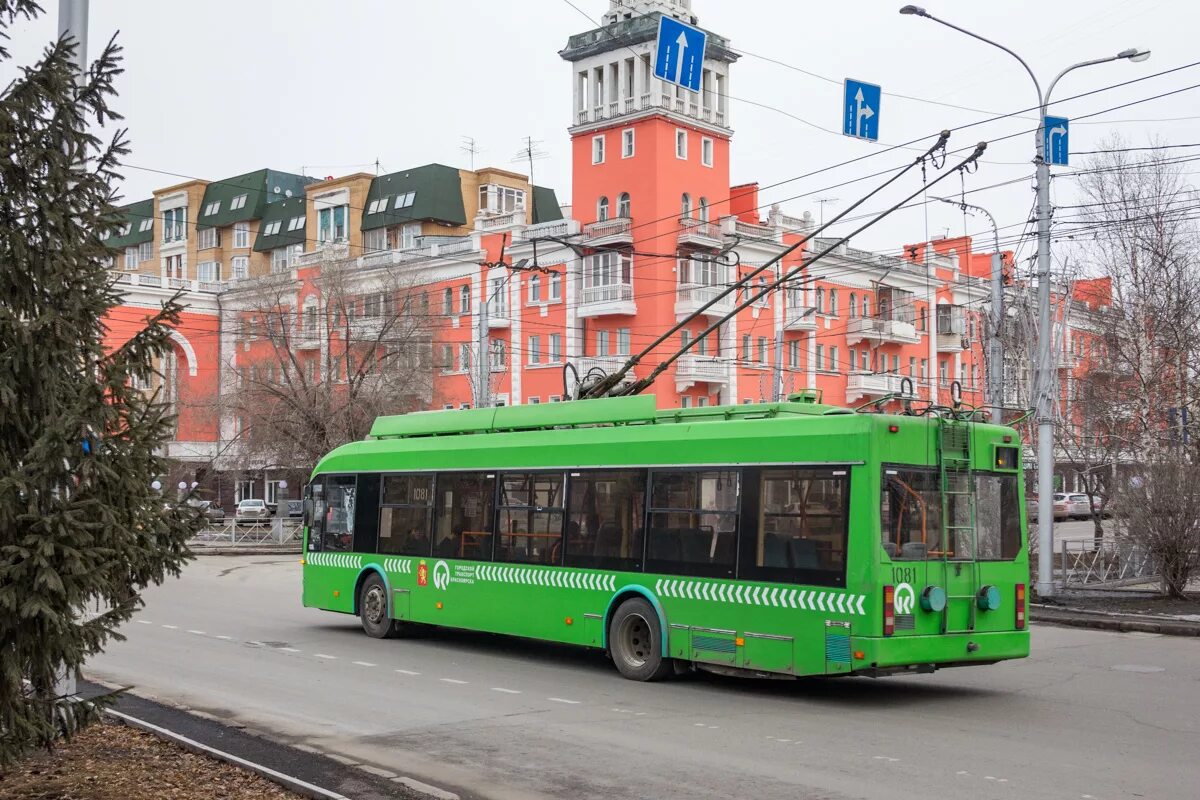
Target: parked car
x,y
1031,507
211,511
252,512
1079,508
1060,507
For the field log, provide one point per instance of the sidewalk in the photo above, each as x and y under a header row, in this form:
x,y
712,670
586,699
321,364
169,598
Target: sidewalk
x,y
1072,613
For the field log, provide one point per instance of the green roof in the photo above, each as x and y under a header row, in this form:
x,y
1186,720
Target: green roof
x,y
135,215
282,212
545,205
432,192
246,197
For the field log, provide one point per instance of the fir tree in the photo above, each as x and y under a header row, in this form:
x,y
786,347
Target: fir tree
x,y
80,526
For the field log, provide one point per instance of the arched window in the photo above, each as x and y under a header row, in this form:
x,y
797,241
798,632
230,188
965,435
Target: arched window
x,y
602,209
464,300
704,209
685,206
820,301
833,302
853,305
623,206
921,319
866,306
448,301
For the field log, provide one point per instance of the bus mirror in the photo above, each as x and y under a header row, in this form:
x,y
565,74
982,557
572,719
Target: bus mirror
x,y
308,512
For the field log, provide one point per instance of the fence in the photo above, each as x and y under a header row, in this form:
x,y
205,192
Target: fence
x,y
1082,564
274,532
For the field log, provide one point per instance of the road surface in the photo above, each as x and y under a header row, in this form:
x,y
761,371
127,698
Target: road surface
x,y
1090,715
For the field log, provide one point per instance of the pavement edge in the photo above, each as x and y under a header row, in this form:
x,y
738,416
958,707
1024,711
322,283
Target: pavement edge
x,y
1079,618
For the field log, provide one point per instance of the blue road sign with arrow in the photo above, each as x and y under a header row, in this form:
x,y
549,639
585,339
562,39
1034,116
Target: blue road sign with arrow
x,y
679,53
860,111
1056,128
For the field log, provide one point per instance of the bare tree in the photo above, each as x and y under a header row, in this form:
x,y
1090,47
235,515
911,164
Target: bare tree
x,y
322,365
1159,511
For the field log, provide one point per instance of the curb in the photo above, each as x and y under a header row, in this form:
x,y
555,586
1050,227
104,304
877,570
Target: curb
x,y
207,550
286,781
1078,618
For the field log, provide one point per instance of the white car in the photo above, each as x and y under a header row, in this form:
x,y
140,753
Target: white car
x,y
1078,506
251,512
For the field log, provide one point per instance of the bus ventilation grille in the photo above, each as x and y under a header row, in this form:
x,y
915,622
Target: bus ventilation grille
x,y
906,622
837,647
715,645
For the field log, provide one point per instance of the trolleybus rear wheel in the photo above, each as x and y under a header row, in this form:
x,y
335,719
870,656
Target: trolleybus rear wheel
x,y
635,642
373,609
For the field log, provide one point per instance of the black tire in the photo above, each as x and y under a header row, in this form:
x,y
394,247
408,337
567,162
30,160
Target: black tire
x,y
635,642
373,609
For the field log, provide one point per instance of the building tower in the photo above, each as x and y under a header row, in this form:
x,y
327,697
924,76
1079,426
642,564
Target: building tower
x,y
650,177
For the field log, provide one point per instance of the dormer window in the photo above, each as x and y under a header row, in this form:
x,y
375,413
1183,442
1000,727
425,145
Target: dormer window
x,y
497,199
237,202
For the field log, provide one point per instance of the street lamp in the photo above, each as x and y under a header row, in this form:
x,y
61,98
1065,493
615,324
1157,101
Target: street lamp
x,y
1045,353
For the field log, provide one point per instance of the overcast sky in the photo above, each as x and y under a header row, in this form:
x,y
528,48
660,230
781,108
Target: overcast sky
x,y
216,88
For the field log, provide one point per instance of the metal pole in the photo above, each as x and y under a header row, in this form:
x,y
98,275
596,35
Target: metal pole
x,y
995,384
777,377
483,368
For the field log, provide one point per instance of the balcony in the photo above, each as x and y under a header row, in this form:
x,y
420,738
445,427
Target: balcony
x,y
800,318
951,329
556,228
498,316
693,369
732,226
881,331
366,329
618,230
699,233
325,252
609,364
494,223
307,338
157,281
599,301
872,384
691,297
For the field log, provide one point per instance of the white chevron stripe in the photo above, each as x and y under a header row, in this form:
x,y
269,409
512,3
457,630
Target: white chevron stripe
x,y
861,599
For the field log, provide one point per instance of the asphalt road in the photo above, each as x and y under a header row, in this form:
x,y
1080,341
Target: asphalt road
x,y
1089,715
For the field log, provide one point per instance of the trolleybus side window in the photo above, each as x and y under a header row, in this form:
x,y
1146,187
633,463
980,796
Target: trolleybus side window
x,y
607,515
406,516
366,514
998,516
693,522
911,514
465,501
316,512
337,530
798,532
531,517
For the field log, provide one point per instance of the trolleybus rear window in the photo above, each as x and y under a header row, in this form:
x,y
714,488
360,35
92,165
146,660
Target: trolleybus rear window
x,y
999,516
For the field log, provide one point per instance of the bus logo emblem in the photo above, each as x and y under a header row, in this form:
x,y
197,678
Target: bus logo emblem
x,y
422,575
905,599
441,575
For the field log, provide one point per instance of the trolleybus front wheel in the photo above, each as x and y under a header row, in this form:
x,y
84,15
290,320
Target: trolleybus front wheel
x,y
373,608
635,642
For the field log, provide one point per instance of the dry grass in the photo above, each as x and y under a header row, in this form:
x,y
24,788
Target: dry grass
x,y
115,762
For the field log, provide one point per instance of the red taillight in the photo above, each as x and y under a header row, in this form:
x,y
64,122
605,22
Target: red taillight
x,y
893,428
889,610
1020,606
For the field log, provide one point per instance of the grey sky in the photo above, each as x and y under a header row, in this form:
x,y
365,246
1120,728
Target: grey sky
x,y
217,88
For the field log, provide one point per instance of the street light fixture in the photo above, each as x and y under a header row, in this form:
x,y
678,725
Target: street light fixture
x,y
1045,353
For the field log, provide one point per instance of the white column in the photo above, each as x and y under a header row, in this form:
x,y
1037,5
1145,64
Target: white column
x,y
517,344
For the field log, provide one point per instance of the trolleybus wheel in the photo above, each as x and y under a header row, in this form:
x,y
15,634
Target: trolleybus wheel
x,y
373,609
635,642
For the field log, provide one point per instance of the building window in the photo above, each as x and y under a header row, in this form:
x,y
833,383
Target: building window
x,y
601,343
271,228
762,350
464,300
680,143
912,366
241,234
464,357
240,267
865,360
853,360
295,223
820,300
237,202
623,205
685,402
212,208
447,301
598,149
498,359
208,271
622,341
174,224
833,359
819,360
408,235
174,267
746,347
331,224
685,206
375,240
245,490
131,258
627,143
704,209
602,209
500,199
706,151
447,357
206,238
943,371
555,354
535,288
762,297
602,271
555,286
403,200
833,302
535,349
924,368
853,305
794,354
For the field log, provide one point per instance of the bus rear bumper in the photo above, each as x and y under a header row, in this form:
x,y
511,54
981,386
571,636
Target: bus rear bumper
x,y
905,654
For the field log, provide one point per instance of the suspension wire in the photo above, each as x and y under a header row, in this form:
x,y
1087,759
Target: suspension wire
x,y
605,386
638,386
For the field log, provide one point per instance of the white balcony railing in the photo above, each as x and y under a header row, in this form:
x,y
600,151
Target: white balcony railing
x,y
800,318
690,297
695,231
646,101
157,282
558,227
613,298
691,369
609,364
509,219
618,228
864,384
881,330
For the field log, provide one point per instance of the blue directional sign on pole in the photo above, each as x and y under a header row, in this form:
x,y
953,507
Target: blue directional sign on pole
x,y
860,112
679,54
1055,129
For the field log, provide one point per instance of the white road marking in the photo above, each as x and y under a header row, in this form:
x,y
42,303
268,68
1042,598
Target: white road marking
x,y
198,633
364,663
324,655
255,643
781,740
506,691
171,627
563,700
226,638
143,622
889,759
407,672
452,680
962,772
288,650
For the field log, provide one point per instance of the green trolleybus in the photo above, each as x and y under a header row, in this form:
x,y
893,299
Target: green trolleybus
x,y
787,538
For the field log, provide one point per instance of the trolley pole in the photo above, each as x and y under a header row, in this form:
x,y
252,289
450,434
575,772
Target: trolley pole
x,y
1046,384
